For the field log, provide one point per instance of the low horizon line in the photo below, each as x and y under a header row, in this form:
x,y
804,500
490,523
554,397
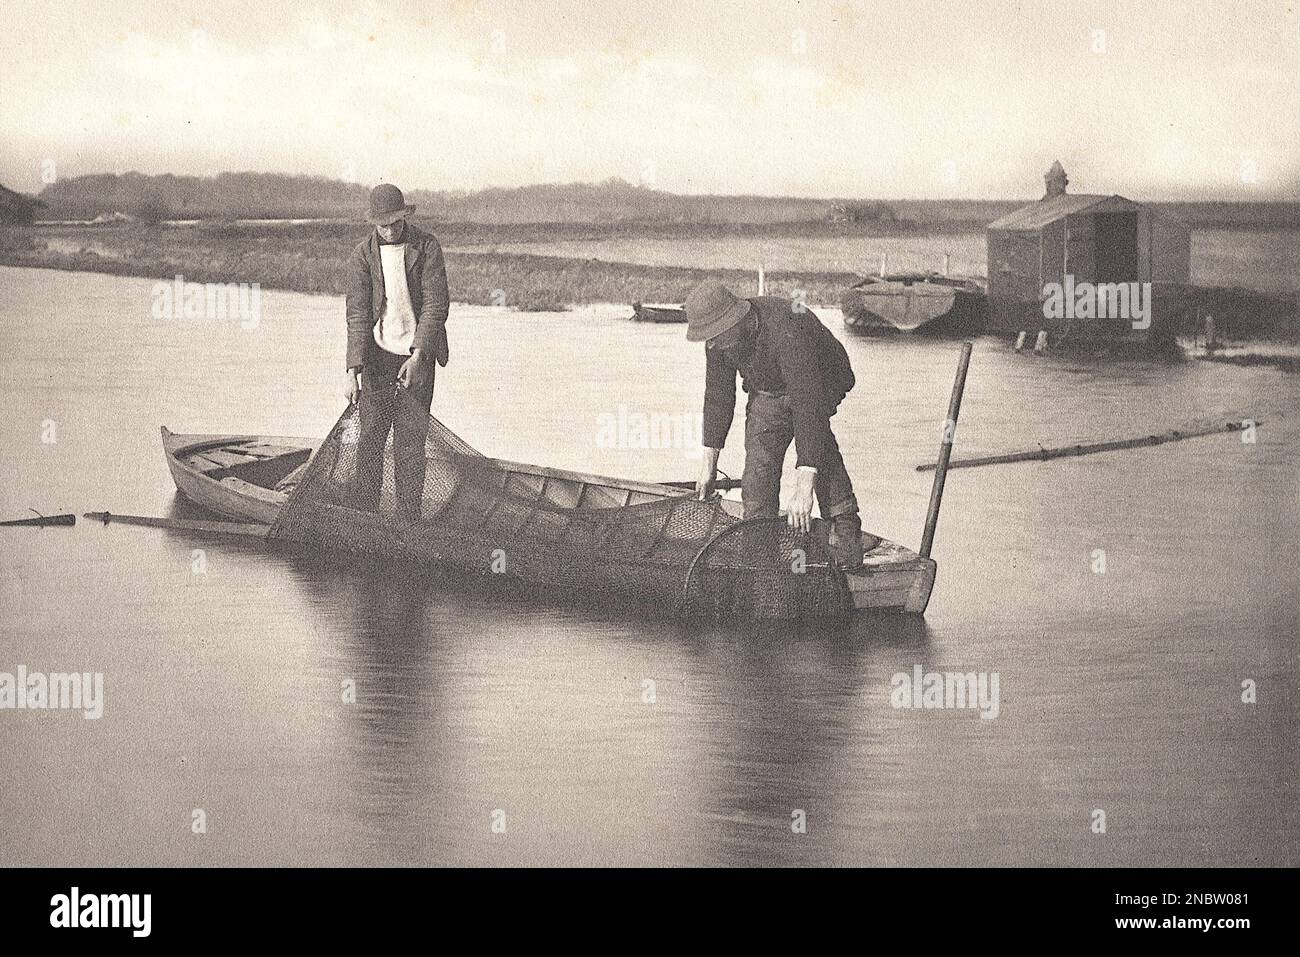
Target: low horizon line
x,y
467,191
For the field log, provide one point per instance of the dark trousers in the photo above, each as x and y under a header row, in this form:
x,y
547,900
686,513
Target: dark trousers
x,y
385,408
769,430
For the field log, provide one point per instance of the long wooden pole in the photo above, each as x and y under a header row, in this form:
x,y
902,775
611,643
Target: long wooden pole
x,y
1068,451
40,521
249,529
945,450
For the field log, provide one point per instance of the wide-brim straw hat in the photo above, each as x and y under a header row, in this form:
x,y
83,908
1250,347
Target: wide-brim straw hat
x,y
387,205
712,309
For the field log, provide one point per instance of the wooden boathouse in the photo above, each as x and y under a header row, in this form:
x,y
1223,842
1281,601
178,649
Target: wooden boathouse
x,y
1067,240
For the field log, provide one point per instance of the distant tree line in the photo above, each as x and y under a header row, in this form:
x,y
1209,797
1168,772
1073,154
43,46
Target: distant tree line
x,y
228,196
263,195
276,196
862,212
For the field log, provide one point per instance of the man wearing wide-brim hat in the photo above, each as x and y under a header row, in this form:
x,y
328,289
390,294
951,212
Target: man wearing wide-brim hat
x,y
397,303
795,373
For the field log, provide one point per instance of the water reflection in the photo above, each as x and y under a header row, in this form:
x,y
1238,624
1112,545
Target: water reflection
x,y
224,690
384,634
754,719
776,752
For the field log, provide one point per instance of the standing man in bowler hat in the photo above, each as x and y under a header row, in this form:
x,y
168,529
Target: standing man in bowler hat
x,y
796,373
397,304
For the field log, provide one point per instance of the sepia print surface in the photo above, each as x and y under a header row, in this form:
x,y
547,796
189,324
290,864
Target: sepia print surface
x,y
481,432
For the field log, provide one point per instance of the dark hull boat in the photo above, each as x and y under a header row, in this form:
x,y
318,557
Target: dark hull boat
x,y
926,303
252,479
657,312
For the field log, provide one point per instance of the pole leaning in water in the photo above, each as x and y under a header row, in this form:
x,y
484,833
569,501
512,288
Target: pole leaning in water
x,y
945,451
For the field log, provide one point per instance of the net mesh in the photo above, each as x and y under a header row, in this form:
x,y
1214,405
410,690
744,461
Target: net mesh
x,y
441,502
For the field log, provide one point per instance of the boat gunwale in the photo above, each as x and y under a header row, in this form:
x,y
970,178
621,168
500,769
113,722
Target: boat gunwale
x,y
175,447
886,557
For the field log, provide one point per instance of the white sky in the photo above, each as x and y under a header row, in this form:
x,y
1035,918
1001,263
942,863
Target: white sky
x,y
872,98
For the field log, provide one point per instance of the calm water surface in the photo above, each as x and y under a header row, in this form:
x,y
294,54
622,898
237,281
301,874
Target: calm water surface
x,y
1119,691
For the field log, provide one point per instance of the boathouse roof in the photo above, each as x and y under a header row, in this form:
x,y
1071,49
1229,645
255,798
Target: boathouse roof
x,y
1050,209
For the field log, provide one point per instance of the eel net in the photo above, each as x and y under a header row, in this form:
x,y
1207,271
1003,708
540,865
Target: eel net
x,y
448,506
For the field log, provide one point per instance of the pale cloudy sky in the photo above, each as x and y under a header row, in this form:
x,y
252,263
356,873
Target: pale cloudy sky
x,y
875,98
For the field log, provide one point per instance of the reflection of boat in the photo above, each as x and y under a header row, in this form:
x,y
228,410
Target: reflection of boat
x,y
251,479
915,302
657,312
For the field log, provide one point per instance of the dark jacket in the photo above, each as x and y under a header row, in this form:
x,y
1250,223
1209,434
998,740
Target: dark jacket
x,y
426,278
788,352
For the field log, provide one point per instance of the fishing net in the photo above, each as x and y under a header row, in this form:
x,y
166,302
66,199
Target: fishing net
x,y
445,504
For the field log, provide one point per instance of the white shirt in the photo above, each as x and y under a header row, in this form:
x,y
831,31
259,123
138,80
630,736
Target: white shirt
x,y
395,330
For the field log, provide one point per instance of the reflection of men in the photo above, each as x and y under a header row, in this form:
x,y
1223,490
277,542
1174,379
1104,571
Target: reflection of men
x,y
397,326
796,374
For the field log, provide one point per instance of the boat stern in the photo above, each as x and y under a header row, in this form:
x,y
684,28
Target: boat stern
x,y
892,578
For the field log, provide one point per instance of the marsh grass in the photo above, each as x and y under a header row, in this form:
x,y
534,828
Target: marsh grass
x,y
309,257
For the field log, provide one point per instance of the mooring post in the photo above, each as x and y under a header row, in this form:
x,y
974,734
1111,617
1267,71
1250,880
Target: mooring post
x,y
1020,340
945,451
883,262
762,280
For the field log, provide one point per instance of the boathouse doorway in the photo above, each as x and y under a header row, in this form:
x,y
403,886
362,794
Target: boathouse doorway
x,y
1116,246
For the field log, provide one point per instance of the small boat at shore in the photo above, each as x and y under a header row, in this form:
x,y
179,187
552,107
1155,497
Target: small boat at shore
x,y
657,312
250,478
915,302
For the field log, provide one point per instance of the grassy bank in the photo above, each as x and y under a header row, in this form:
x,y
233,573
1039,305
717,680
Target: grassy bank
x,y
309,257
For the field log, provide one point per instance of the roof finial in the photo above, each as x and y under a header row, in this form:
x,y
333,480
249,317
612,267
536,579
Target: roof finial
x,y
1056,180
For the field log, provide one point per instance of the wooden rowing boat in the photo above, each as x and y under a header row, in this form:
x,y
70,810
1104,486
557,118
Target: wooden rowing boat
x,y
657,312
239,476
249,478
915,302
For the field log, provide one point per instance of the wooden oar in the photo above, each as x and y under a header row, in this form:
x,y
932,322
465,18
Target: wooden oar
x,y
251,530
722,485
42,520
1066,451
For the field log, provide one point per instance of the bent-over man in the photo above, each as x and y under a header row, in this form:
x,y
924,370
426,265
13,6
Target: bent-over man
x,y
795,373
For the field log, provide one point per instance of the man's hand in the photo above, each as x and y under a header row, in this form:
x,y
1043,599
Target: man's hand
x,y
412,369
799,512
708,474
352,387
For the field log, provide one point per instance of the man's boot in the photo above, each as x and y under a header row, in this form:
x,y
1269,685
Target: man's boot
x,y
845,541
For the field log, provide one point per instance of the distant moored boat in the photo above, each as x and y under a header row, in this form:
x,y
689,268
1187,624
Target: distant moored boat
x,y
914,302
657,312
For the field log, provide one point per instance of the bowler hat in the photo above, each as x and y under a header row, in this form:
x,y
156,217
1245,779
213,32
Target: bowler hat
x,y
712,309
387,205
